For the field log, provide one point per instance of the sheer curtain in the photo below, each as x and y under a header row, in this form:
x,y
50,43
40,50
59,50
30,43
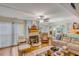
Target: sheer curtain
x,y
5,34
10,32
18,31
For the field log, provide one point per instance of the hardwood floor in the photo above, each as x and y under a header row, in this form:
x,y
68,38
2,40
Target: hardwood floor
x,y
32,48
13,51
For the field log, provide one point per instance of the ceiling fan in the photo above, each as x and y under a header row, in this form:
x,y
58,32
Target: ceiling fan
x,y
44,18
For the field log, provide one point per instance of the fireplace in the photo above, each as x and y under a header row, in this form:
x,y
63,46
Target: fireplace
x,y
34,35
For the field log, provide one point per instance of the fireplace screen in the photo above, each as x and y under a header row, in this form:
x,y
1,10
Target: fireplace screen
x,y
34,39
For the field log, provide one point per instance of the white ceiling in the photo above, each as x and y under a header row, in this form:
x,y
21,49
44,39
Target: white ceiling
x,y
54,11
